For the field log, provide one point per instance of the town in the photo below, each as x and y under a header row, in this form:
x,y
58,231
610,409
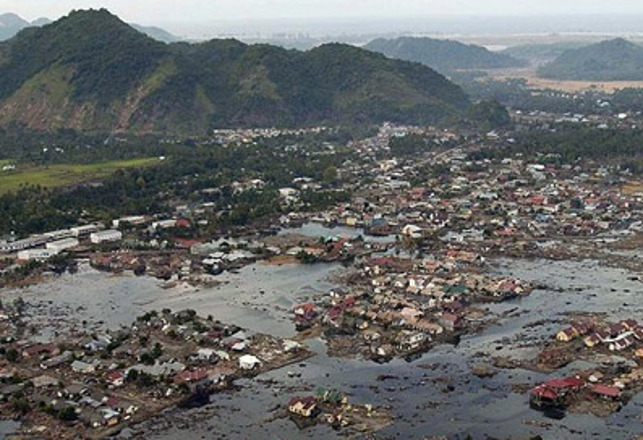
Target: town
x,y
416,217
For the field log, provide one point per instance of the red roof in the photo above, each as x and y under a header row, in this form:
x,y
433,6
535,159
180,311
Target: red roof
x,y
308,307
544,392
183,223
570,382
191,376
607,391
185,243
115,376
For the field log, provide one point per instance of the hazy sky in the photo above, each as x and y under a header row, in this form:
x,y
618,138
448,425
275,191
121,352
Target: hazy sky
x,y
166,11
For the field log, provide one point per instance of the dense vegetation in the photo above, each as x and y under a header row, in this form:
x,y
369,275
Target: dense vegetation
x,y
11,24
195,171
542,52
442,55
568,144
612,60
91,71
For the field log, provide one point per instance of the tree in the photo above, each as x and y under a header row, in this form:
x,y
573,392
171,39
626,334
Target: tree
x,y
67,414
12,355
330,174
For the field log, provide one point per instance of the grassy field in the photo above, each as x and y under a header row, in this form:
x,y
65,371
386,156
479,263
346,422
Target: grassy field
x,y
62,175
535,82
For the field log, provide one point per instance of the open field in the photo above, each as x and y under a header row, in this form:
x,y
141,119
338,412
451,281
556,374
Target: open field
x,y
63,174
536,82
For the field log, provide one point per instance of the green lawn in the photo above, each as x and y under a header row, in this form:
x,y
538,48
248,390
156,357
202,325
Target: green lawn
x,y
61,175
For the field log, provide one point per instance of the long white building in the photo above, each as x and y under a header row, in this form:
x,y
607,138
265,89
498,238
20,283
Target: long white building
x,y
109,235
61,245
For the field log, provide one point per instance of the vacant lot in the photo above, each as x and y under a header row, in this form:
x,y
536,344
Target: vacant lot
x,y
61,175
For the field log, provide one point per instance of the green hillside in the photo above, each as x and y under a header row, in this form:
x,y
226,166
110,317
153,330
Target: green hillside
x,y
91,71
611,60
442,55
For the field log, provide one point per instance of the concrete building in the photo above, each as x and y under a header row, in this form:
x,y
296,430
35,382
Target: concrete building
x,y
59,235
80,231
133,220
110,235
36,254
61,245
19,245
164,224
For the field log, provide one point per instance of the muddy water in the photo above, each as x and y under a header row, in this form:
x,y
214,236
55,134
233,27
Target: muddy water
x,y
259,297
435,394
318,230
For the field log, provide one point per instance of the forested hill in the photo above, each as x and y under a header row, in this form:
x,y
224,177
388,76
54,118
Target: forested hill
x,y
442,55
91,71
11,24
611,60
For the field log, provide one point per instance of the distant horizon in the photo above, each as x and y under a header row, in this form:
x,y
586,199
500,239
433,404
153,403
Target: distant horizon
x,y
435,25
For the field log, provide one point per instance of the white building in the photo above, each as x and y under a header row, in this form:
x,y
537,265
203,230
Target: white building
x,y
249,362
79,231
59,235
164,224
106,236
36,254
61,245
18,245
130,220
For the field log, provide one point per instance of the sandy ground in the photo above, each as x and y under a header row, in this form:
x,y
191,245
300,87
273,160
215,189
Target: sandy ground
x,y
567,86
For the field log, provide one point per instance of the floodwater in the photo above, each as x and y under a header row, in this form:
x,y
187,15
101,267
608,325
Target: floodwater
x,y
319,230
433,395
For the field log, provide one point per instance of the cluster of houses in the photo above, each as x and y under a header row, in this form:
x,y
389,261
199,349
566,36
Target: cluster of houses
x,y
617,337
480,200
606,385
98,381
398,306
331,407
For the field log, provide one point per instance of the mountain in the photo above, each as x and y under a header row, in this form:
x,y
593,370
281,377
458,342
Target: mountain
x,y
157,33
541,53
42,21
442,55
10,25
611,60
91,71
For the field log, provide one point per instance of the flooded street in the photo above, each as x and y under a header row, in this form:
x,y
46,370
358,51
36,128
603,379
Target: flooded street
x,y
435,394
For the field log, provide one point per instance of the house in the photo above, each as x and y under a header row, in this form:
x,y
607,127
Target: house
x,y
412,340
38,350
195,376
552,392
542,396
82,367
116,378
249,362
566,335
303,406
606,392
44,381
623,342
449,321
412,231
207,355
